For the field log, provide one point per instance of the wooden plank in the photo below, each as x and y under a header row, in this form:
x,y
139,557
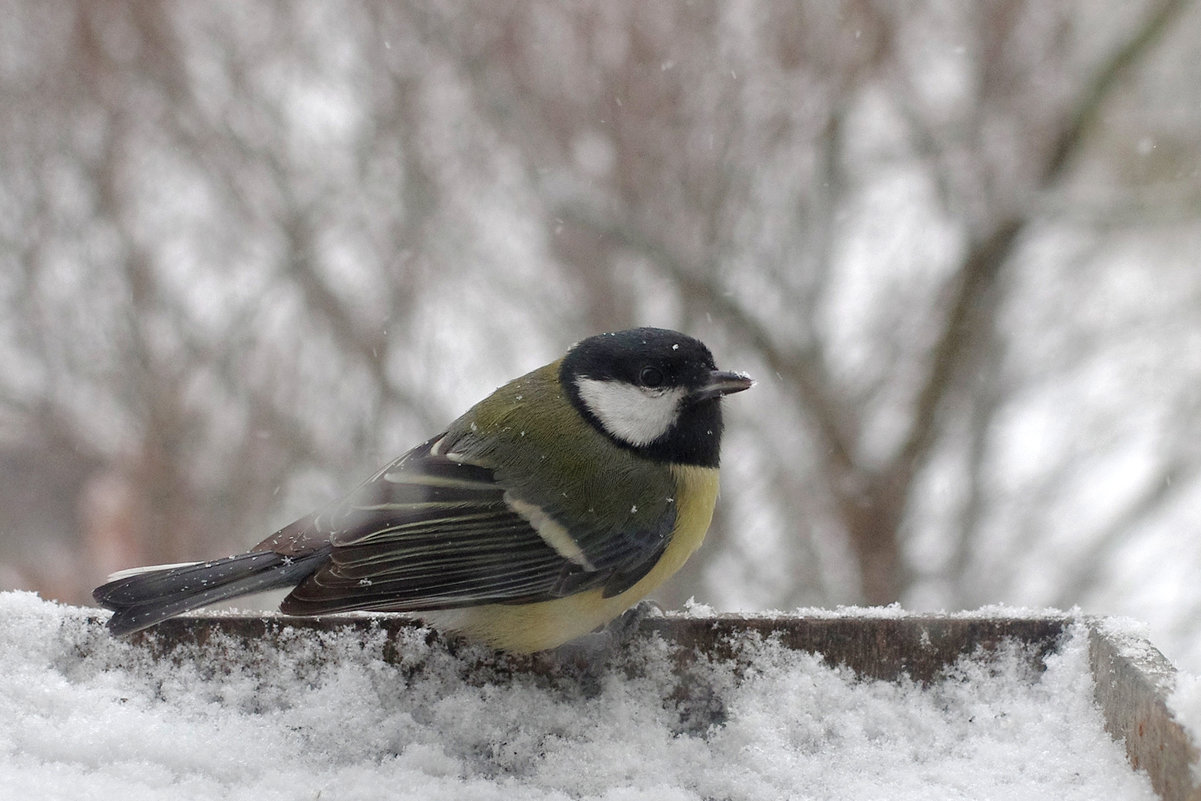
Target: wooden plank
x,y
917,646
1133,681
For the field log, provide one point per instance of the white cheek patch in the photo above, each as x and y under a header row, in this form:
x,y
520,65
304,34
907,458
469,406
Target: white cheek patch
x,y
636,415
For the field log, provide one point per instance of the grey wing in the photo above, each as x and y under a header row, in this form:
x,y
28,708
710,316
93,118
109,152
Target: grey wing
x,y
430,532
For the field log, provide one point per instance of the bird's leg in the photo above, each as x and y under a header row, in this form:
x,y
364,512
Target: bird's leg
x,y
623,628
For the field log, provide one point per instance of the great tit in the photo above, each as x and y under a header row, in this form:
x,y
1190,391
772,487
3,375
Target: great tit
x,y
544,512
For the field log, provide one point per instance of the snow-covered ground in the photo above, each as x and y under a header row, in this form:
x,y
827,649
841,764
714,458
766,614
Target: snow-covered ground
x,y
85,716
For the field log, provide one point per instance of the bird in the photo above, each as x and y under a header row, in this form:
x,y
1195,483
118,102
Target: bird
x,y
541,514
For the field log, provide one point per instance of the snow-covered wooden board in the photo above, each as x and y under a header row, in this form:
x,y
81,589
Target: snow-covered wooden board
x,y
1132,679
851,704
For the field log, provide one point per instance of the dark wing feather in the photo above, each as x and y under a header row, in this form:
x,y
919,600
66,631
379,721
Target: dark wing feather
x,y
428,532
432,532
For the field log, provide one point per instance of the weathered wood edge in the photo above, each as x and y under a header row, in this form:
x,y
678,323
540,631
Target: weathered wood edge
x,y
1132,682
920,647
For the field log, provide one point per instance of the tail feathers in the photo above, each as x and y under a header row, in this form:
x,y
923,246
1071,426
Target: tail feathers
x,y
145,596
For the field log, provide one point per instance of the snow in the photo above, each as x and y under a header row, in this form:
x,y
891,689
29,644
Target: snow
x,y
83,715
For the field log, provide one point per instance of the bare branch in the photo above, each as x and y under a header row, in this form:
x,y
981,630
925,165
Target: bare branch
x,y
1084,115
985,258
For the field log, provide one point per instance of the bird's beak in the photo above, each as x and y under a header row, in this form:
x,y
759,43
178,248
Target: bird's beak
x,y
722,382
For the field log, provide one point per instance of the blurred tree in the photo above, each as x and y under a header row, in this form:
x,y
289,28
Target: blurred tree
x,y
744,180
252,250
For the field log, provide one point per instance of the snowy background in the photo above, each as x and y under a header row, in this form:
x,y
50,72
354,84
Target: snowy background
x,y
250,251
85,716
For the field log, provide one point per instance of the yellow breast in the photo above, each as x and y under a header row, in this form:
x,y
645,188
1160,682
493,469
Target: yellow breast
x,y
547,624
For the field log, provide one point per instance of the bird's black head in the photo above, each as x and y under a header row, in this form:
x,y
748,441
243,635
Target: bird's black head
x,y
653,391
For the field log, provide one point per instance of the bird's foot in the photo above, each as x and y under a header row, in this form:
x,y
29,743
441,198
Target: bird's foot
x,y
590,653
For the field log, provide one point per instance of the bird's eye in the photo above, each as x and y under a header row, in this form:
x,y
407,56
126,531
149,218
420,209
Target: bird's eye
x,y
651,377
